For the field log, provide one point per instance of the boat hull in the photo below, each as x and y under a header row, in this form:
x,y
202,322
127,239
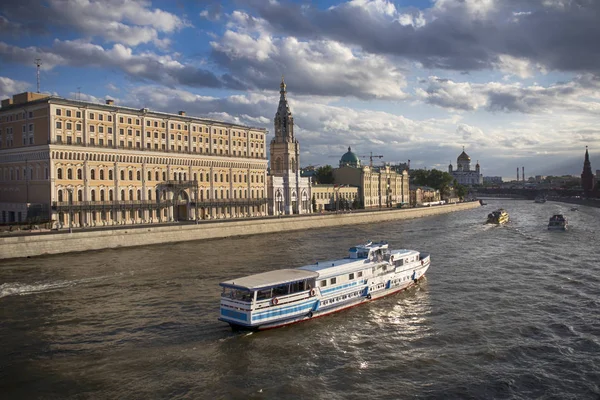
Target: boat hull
x,y
315,311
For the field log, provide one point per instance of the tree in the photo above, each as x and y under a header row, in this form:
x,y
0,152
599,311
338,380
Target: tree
x,y
324,174
433,178
460,190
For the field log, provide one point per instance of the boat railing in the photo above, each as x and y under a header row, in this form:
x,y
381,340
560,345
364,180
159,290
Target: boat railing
x,y
285,298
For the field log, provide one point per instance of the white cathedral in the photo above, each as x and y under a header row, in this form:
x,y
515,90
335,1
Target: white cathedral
x,y
463,174
288,193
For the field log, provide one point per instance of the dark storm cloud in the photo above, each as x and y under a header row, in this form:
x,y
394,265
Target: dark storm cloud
x,y
459,35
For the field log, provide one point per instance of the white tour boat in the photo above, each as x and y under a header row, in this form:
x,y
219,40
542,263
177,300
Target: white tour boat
x,y
286,296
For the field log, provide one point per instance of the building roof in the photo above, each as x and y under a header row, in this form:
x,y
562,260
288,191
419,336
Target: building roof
x,y
349,158
464,156
270,279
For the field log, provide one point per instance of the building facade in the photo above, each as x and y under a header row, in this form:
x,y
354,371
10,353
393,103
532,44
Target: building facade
x,y
463,173
334,197
288,192
85,164
378,187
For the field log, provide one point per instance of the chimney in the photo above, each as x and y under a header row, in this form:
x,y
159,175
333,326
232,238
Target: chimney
x,y
523,173
517,174
182,113
110,102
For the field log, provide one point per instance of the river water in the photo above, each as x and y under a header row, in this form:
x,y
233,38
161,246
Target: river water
x,y
509,312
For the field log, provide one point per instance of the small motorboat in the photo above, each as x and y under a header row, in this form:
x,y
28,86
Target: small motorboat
x,y
558,222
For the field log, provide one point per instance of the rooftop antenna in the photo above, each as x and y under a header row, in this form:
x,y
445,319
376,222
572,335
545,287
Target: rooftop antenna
x,y
38,63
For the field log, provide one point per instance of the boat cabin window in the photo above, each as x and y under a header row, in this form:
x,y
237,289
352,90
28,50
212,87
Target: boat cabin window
x,y
238,294
281,290
323,283
359,274
298,287
351,276
333,281
263,294
356,252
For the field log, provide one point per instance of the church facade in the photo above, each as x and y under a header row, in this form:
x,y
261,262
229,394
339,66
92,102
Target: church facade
x,y
463,173
288,192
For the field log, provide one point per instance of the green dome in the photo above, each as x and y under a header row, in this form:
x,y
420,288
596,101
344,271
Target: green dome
x,y
350,159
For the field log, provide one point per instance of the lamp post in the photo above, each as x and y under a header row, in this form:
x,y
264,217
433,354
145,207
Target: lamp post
x,y
70,190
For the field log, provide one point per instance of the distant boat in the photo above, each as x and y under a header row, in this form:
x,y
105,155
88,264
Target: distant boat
x,y
498,217
557,223
574,209
540,199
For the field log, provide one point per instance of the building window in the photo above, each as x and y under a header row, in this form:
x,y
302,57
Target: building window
x,y
92,174
58,125
78,114
91,115
79,176
101,175
58,173
130,175
110,175
58,111
93,195
69,173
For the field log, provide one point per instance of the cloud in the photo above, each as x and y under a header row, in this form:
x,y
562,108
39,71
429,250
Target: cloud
x,y
130,22
577,95
164,69
463,35
8,87
319,67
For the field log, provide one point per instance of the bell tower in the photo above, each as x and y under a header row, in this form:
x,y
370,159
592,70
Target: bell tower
x,y
285,150
587,177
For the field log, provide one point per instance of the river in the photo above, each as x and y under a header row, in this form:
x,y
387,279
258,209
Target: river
x,y
509,312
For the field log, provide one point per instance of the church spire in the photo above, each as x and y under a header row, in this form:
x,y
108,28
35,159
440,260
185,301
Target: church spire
x,y
587,177
284,122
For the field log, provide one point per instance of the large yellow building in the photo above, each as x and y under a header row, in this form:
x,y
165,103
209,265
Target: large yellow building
x,y
86,164
378,187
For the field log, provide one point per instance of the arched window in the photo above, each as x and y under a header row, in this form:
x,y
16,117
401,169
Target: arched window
x,y
110,175
139,194
122,175
149,194
222,178
79,175
93,174
122,194
58,174
60,196
156,176
252,179
195,176
79,195
216,178
185,176
207,177
164,176
130,175
69,173
130,194
110,195
234,178
149,175
93,195
226,178
139,176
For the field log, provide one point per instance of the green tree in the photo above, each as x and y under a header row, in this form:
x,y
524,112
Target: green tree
x,y
433,178
324,175
460,190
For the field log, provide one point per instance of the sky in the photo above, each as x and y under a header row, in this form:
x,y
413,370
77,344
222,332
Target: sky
x,y
516,82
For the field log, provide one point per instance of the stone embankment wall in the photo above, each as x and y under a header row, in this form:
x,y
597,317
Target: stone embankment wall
x,y
35,245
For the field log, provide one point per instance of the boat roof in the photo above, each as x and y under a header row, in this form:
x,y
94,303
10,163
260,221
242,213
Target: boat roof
x,y
326,269
269,279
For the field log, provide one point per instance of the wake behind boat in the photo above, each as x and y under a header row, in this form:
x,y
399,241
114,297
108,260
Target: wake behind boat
x,y
286,296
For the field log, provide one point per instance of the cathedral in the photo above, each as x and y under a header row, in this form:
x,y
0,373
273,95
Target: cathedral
x,y
463,174
288,193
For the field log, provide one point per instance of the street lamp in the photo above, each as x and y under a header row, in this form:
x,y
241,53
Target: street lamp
x,y
70,190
